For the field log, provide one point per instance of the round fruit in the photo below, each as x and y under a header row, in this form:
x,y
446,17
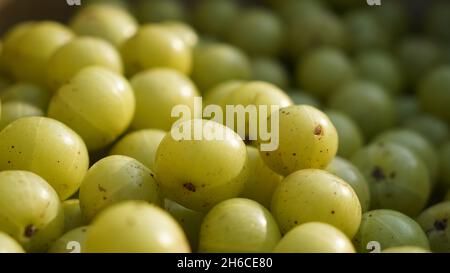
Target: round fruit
x,y
156,46
444,159
157,92
350,174
434,94
364,31
183,30
307,139
214,17
26,92
159,10
300,97
322,70
316,196
189,220
435,223
9,245
406,108
219,93
29,52
315,237
14,110
48,148
135,226
389,229
80,53
206,73
262,181
72,214
223,229
73,241
269,70
367,104
416,144
97,104
201,163
430,127
350,136
111,23
140,145
30,210
114,179
397,178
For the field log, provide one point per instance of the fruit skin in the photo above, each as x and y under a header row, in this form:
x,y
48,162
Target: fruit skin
x,y
111,23
157,92
80,53
323,70
26,92
72,241
188,219
135,226
183,30
416,144
48,148
316,196
397,178
315,237
29,51
156,46
223,230
390,229
214,17
444,159
219,93
307,139
350,173
356,97
159,10
405,249
114,179
72,214
9,245
269,38
434,222
206,71
97,104
364,31
430,127
262,181
434,95
30,210
140,145
269,70
14,110
200,173
350,136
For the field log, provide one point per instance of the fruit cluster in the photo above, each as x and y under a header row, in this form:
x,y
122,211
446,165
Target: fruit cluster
x,y
89,161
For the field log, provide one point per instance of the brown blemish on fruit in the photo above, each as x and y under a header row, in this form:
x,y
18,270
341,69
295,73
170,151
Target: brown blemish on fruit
x,y
30,230
189,187
440,224
378,174
332,212
100,188
392,175
318,131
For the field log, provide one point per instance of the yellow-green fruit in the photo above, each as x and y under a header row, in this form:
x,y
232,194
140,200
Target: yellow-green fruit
x,y
159,10
218,94
114,179
189,220
262,181
72,241
135,226
307,139
405,249
72,214
316,196
140,145
14,110
79,53
156,46
270,70
214,63
199,172
183,30
214,17
97,104
26,92
111,23
157,92
29,54
30,210
48,148
9,245
238,225
315,237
